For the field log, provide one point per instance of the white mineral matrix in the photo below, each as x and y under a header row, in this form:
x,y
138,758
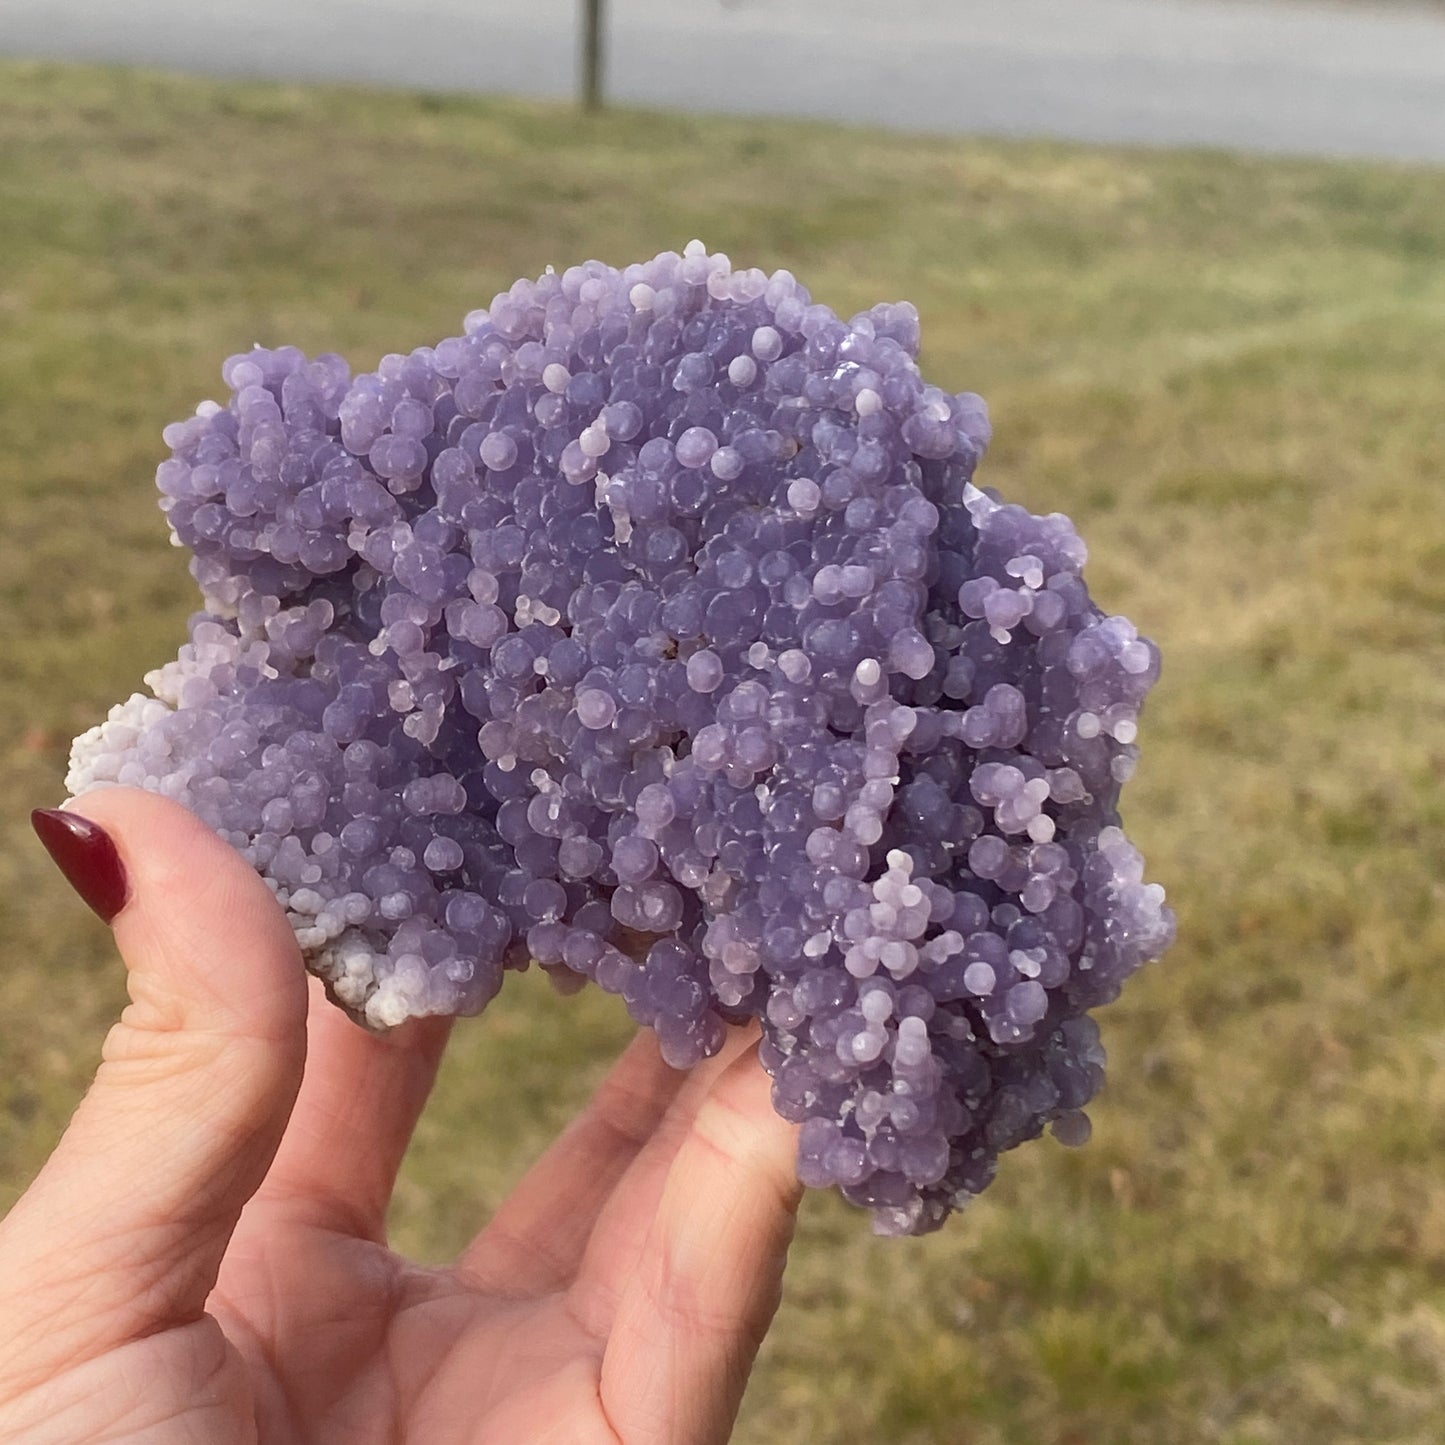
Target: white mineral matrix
x,y
655,630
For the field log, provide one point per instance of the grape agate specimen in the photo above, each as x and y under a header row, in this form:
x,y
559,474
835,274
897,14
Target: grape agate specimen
x,y
654,630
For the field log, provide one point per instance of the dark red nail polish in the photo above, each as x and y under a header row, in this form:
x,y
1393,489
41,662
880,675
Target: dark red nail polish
x,y
83,851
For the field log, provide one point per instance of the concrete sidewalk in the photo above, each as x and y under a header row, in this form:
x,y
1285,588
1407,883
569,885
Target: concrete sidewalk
x,y
1305,78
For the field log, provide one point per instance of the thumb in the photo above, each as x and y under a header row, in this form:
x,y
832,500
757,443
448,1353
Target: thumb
x,y
123,1231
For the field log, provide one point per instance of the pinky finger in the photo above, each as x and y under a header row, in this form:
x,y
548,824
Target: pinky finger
x,y
709,1281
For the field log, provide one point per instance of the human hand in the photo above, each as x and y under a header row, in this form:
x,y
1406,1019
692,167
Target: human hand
x,y
203,1258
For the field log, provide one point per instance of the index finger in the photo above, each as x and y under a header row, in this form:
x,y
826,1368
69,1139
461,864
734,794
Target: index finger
x,y
360,1100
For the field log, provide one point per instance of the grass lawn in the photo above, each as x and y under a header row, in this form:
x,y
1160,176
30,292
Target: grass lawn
x,y
1230,372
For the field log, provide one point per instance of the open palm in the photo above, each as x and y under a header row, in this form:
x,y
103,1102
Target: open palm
x,y
203,1259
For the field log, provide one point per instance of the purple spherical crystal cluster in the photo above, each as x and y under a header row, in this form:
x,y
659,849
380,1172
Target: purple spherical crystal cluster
x,y
654,630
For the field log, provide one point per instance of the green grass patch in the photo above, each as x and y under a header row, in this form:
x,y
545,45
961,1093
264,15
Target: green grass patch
x,y
1230,371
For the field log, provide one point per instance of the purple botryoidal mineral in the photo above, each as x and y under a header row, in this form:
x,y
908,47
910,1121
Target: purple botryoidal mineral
x,y
654,630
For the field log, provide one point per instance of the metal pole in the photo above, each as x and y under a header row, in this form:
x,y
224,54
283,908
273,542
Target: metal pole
x,y
591,54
